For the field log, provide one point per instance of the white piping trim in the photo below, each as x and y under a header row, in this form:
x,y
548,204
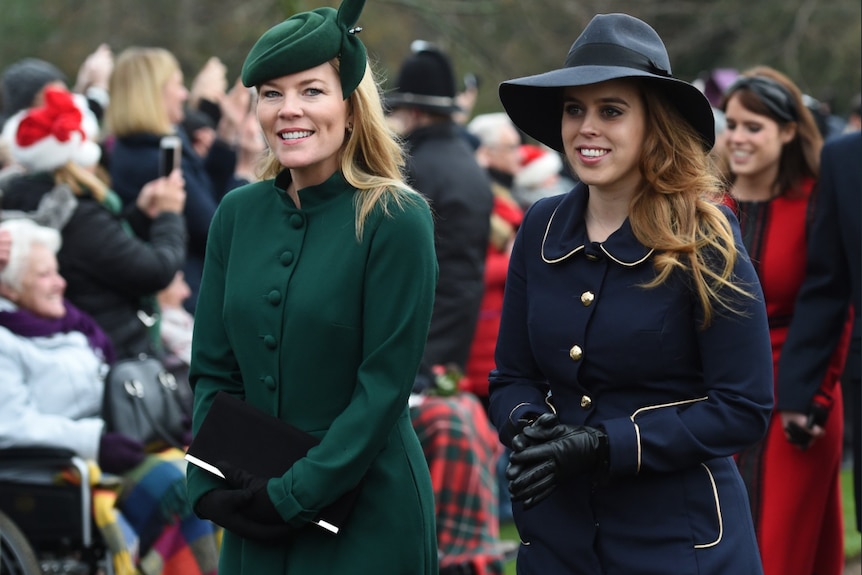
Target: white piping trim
x,y
717,512
650,408
662,405
548,229
513,411
579,248
622,263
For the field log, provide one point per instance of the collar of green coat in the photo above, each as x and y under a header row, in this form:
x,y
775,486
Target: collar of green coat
x,y
313,196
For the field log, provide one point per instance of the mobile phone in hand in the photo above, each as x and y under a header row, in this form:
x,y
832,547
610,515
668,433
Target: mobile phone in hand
x,y
170,153
798,435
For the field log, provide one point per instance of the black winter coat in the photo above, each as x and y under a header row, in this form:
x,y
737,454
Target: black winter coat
x,y
443,169
109,271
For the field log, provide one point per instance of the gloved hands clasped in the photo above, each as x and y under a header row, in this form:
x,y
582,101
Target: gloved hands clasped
x,y
547,452
245,509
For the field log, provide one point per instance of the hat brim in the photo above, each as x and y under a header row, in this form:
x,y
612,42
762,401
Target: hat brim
x,y
534,102
436,104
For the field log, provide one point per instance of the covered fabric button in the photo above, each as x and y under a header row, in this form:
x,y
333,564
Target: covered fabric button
x,y
274,297
270,342
269,381
587,298
297,221
576,353
286,258
586,402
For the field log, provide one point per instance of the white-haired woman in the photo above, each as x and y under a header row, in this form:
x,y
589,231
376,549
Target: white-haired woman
x,y
53,358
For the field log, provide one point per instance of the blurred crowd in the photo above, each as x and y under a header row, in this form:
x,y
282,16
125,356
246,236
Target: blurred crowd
x,y
84,155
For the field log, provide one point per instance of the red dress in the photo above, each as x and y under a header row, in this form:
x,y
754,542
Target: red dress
x,y
795,495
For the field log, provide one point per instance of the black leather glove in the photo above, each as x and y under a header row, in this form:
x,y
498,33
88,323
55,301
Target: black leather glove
x,y
547,452
259,506
226,507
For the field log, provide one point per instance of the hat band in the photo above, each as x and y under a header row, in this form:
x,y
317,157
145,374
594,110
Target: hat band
x,y
423,100
612,55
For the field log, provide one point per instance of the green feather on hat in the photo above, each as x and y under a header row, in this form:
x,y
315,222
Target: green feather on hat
x,y
309,39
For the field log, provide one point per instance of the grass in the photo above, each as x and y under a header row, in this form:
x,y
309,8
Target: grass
x,y
852,538
508,532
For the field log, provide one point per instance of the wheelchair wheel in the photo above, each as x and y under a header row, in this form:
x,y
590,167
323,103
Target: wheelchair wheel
x,y
16,555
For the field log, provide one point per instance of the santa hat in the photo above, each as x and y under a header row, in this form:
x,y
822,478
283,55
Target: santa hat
x,y
62,130
538,163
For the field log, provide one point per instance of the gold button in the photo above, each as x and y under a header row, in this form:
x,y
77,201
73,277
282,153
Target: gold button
x,y
587,298
586,402
593,257
576,353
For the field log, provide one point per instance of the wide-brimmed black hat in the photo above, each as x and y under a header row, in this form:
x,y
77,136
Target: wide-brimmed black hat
x,y
611,46
426,80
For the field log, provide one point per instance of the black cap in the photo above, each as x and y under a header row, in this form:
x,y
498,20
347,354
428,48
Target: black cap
x,y
426,80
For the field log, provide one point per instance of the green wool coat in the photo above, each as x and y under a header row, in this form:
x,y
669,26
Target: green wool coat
x,y
305,322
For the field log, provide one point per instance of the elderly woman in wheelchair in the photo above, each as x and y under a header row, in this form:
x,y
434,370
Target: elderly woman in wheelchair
x,y
53,359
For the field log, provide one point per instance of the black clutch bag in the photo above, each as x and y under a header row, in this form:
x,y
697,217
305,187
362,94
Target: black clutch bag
x,y
263,445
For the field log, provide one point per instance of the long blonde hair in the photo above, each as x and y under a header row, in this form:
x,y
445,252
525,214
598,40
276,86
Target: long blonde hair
x,y
136,86
372,158
676,209
81,181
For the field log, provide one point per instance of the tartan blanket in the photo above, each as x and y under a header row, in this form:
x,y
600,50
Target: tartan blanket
x,y
147,524
462,448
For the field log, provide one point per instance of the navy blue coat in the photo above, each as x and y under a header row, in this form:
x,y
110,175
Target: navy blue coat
x,y
832,283
832,278
134,161
579,334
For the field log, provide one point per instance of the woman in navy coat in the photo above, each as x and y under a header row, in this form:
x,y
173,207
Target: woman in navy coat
x,y
633,358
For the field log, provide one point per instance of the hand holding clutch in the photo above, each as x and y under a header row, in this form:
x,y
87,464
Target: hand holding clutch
x,y
259,506
245,509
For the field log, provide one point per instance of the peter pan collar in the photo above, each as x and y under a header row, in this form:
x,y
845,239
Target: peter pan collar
x,y
566,235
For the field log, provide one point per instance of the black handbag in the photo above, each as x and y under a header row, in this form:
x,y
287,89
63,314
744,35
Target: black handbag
x,y
145,401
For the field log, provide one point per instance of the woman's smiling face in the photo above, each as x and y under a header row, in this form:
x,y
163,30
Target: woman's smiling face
x,y
305,119
603,129
42,286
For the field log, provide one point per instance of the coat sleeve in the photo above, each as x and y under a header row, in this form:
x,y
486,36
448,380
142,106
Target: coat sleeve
x,y
514,393
214,366
734,411
824,298
121,261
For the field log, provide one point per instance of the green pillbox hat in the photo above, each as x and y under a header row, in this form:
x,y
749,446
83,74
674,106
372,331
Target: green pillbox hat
x,y
309,39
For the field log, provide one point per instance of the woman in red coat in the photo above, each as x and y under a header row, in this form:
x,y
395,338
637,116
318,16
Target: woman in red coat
x,y
773,145
505,219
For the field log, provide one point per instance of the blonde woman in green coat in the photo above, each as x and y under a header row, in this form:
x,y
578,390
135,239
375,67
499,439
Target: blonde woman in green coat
x,y
315,304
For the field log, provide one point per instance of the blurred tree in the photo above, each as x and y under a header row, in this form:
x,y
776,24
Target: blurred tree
x,y
816,42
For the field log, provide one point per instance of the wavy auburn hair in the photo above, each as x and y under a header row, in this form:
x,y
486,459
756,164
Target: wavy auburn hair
x,y
676,211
